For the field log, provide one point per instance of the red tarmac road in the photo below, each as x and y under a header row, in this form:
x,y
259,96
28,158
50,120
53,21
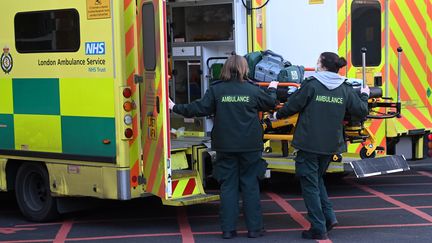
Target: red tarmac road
x,y
391,208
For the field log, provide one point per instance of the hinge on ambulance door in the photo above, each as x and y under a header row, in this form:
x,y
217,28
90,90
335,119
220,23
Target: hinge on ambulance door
x,y
141,180
138,79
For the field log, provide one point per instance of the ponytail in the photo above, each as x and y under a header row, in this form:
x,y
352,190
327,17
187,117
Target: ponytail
x,y
332,62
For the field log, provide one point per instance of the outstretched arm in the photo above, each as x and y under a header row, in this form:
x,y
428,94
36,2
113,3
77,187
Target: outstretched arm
x,y
202,107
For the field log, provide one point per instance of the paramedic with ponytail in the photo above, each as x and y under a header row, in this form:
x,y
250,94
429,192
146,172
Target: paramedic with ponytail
x,y
321,102
237,138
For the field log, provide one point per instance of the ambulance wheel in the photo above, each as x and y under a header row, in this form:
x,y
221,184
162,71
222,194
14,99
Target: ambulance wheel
x,y
363,154
33,193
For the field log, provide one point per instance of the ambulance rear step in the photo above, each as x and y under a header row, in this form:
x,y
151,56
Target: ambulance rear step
x,y
187,189
379,166
200,198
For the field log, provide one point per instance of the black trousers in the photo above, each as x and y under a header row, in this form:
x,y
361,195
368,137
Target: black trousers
x,y
310,168
237,172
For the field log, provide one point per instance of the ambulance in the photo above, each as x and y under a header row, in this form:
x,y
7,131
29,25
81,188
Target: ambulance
x,y
84,87
83,105
380,26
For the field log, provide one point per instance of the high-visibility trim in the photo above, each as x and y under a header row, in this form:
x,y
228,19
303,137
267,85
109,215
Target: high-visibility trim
x,y
48,130
377,128
422,116
256,28
421,78
412,31
289,166
184,187
189,189
428,17
7,141
130,35
408,113
85,136
409,27
130,54
36,96
155,151
342,33
96,97
404,36
6,97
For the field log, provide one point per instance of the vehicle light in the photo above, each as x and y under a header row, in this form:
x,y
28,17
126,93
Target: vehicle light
x,y
430,137
430,145
127,106
128,119
128,133
127,93
430,153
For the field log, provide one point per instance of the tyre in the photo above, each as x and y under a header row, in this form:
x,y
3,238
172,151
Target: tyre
x,y
363,154
33,193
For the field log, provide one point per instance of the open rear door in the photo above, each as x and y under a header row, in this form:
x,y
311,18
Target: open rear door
x,y
153,97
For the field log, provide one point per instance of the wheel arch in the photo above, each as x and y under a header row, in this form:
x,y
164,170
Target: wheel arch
x,y
12,167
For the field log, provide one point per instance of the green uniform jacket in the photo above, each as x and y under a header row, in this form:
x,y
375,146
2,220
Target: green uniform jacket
x,y
319,128
235,106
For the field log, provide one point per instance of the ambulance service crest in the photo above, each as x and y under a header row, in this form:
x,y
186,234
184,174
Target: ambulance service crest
x,y
6,60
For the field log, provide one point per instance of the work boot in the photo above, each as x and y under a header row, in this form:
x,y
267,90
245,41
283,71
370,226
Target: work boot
x,y
229,234
255,233
330,225
309,234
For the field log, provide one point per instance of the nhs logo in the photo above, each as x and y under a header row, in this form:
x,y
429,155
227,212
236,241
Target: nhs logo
x,y
95,48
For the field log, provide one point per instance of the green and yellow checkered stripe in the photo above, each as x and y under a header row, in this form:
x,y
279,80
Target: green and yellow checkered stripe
x,y
69,116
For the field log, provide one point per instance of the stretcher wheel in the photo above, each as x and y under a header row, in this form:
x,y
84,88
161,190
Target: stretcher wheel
x,y
268,150
363,154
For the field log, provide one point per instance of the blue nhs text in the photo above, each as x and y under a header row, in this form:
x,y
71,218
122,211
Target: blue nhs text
x,y
95,48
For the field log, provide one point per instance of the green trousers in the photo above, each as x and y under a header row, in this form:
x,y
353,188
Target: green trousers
x,y
310,168
240,172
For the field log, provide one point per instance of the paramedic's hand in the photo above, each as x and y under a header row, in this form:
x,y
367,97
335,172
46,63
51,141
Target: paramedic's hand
x,y
273,116
171,104
273,84
365,90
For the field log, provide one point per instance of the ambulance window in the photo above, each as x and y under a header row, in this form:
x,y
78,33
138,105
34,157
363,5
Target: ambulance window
x,y
47,31
149,36
366,32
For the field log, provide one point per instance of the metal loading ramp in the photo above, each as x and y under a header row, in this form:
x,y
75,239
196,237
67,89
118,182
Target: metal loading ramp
x,y
379,166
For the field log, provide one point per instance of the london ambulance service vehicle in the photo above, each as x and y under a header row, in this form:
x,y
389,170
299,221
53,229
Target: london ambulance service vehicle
x,y
83,100
345,26
381,26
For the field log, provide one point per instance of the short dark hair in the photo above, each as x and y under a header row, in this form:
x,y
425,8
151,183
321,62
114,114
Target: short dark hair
x,y
332,62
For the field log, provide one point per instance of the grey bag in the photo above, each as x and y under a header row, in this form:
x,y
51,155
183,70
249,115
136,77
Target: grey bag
x,y
269,67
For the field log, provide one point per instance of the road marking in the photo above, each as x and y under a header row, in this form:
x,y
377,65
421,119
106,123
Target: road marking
x,y
394,201
424,173
298,217
9,231
185,228
63,232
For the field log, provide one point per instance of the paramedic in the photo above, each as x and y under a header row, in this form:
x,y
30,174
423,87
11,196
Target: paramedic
x,y
237,138
321,103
